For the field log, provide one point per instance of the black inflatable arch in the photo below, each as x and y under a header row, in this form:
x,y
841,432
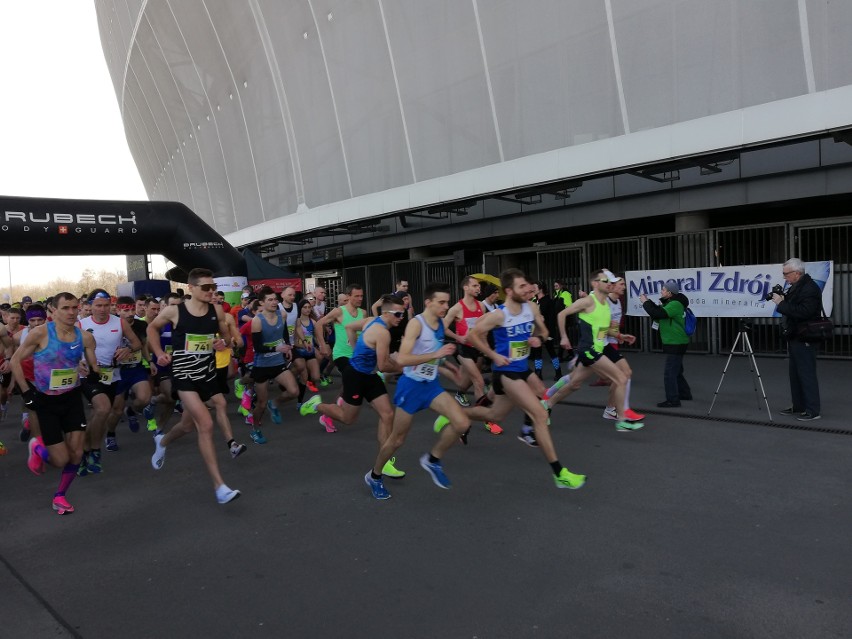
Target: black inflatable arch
x,y
47,226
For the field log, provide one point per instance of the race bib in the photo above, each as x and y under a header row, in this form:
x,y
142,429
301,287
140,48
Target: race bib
x,y
63,378
427,370
519,350
602,335
198,343
273,346
470,321
169,349
106,375
135,358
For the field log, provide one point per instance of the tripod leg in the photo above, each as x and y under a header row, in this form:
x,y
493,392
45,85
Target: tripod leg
x,y
759,380
725,370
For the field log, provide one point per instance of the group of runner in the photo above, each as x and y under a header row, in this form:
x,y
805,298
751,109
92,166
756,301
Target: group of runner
x,y
151,353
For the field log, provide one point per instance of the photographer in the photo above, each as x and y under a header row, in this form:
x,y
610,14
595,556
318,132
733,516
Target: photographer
x,y
800,303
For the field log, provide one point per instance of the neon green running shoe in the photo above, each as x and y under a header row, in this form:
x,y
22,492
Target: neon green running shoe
x,y
310,406
239,388
243,411
392,471
440,423
625,425
152,425
567,479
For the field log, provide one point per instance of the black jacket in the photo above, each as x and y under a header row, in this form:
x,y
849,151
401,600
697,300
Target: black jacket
x,y
802,303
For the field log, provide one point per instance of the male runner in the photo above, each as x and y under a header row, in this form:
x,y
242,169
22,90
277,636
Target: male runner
x,y
360,380
54,393
611,350
162,405
595,324
338,319
517,326
194,327
421,354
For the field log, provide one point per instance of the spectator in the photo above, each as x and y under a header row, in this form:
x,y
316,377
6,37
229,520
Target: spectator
x,y
668,315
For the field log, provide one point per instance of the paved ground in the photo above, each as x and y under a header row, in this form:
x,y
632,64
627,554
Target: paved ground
x,y
688,528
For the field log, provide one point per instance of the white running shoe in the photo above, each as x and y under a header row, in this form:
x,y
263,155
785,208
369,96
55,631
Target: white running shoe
x,y
159,456
610,413
225,494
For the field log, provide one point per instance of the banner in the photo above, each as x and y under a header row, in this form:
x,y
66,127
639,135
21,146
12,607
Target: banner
x,y
277,284
725,291
232,286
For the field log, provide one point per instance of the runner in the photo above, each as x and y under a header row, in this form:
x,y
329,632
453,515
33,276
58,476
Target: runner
x,y
54,393
195,324
595,324
11,326
421,355
611,350
303,344
115,342
35,316
517,326
362,382
162,404
338,319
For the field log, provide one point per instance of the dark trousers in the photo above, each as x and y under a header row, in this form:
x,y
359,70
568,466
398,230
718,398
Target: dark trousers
x,y
674,382
804,388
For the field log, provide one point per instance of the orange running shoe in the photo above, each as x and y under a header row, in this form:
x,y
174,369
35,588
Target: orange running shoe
x,y
493,428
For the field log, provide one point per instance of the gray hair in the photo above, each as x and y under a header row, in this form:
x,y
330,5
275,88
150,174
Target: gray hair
x,y
796,264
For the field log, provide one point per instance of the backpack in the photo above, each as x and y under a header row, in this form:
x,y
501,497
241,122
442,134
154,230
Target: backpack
x,y
690,322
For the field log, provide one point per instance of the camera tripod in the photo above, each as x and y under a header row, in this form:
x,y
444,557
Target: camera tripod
x,y
746,350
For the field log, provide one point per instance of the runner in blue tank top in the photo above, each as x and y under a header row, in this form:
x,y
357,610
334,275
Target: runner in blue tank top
x,y
421,353
517,326
360,380
57,349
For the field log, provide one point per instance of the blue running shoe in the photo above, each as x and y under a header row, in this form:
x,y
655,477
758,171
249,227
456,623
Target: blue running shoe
x,y
94,463
274,412
257,436
377,486
132,422
436,471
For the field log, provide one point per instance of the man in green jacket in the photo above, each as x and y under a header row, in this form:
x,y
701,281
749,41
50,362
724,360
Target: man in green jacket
x,y
669,316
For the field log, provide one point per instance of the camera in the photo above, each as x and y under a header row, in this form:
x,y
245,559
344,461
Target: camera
x,y
776,290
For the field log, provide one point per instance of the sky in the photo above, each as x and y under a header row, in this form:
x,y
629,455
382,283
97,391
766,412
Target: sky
x,y
61,133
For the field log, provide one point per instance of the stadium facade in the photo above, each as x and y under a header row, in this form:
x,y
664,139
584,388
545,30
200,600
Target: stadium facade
x,y
359,140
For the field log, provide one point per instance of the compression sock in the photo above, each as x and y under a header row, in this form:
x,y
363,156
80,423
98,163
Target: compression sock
x,y
69,472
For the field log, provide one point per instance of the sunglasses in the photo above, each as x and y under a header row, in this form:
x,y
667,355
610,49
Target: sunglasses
x,y
208,287
398,314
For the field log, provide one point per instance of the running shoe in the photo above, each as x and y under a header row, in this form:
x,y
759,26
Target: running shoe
x,y
24,435
493,428
95,462
377,486
610,413
243,411
392,471
439,424
633,416
83,468
312,387
325,381
250,420
150,420
61,505
436,471
310,406
247,399
111,444
528,437
159,456
132,421
274,412
237,450
327,422
239,388
625,425
34,461
257,436
567,479
225,494
461,398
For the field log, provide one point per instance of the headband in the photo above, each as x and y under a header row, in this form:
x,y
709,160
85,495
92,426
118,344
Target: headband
x,y
35,313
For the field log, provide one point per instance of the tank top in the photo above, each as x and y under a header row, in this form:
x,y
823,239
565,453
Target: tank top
x,y
363,357
468,318
511,338
306,346
615,313
341,342
107,340
272,335
55,366
594,326
135,359
192,341
428,341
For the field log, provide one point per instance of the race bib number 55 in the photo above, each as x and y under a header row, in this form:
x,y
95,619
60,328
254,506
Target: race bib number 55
x,y
63,378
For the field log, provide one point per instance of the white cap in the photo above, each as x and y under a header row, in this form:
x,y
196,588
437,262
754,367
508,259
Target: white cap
x,y
611,276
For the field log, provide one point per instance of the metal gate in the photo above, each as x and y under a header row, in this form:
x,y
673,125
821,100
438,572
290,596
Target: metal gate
x,y
379,282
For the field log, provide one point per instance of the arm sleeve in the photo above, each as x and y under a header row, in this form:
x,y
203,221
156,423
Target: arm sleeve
x,y
259,346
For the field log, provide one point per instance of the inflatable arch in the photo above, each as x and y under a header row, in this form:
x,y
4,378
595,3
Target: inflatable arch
x,y
47,226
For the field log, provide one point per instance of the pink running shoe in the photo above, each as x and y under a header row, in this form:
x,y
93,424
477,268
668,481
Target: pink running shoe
x,y
633,416
245,402
34,461
250,420
61,505
325,420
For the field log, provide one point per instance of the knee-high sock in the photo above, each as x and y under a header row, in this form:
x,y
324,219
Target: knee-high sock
x,y
68,475
627,395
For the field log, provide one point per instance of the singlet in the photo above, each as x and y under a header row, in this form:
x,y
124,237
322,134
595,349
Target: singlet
x,y
341,341
428,341
107,340
363,357
291,317
272,335
594,326
55,366
468,318
192,341
245,331
308,333
615,313
139,328
511,338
